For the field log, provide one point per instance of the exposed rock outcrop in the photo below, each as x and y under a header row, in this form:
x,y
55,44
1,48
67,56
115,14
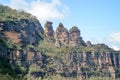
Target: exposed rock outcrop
x,y
24,31
19,40
64,37
15,38
89,44
87,64
75,38
49,32
61,36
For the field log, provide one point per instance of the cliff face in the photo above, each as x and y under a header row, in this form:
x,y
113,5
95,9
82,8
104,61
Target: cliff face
x,y
97,60
23,31
19,35
22,42
86,64
75,38
64,37
61,36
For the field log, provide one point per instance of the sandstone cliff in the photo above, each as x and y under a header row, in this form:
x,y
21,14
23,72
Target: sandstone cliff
x,y
19,35
64,37
61,36
23,31
22,43
75,38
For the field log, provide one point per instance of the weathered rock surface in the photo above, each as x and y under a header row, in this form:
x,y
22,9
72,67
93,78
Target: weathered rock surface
x,y
16,36
49,32
85,63
89,44
22,32
61,36
64,37
75,38
19,44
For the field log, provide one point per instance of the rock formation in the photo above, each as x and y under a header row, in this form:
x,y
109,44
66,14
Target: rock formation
x,y
89,44
75,38
19,44
23,31
64,37
17,34
61,36
49,32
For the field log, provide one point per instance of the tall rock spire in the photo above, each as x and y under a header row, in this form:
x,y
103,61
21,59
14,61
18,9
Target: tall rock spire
x,y
75,38
61,36
49,32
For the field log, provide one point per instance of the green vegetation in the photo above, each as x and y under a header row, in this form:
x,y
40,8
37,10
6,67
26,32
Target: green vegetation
x,y
8,44
63,63
10,71
61,55
52,54
101,78
8,14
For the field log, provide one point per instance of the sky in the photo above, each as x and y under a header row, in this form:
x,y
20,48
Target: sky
x,y
98,20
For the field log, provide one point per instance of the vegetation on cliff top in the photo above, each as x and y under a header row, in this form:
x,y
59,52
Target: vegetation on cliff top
x,y
8,14
51,55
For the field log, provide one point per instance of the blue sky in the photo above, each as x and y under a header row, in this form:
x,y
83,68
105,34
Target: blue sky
x,y
98,20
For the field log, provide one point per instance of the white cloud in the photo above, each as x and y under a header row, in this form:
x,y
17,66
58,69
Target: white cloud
x,y
54,10
18,4
115,47
113,40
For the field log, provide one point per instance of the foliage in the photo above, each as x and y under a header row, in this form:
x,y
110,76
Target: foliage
x,y
55,61
53,56
8,44
10,71
101,78
8,14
